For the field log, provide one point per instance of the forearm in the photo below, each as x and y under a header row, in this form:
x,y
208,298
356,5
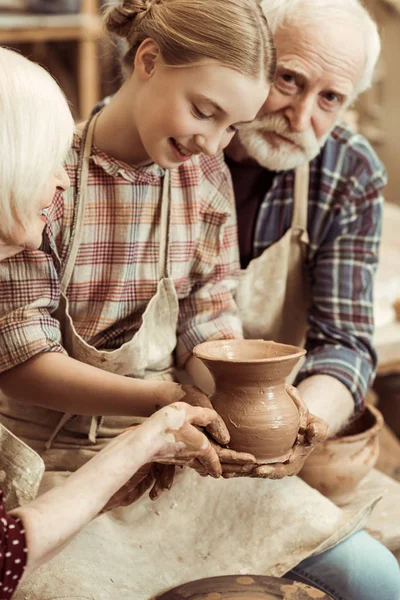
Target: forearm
x,y
329,399
54,518
56,381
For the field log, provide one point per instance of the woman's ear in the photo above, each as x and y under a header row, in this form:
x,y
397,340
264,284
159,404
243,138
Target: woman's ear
x,y
146,59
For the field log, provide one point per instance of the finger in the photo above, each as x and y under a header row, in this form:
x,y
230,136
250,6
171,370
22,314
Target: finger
x,y
166,476
138,491
273,471
317,430
163,474
197,442
227,455
301,406
210,461
217,429
201,416
235,475
156,490
198,467
240,469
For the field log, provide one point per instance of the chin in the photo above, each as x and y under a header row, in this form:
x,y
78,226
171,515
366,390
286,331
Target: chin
x,y
272,158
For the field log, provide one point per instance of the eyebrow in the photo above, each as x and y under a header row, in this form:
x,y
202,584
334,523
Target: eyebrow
x,y
217,107
294,70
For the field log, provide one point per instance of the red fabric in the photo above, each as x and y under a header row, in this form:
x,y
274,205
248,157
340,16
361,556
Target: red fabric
x,y
13,552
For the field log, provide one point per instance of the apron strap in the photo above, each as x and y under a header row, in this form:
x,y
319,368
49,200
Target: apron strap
x,y
80,204
300,205
164,226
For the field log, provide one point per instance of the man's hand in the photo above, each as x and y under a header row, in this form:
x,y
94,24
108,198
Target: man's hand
x,y
312,430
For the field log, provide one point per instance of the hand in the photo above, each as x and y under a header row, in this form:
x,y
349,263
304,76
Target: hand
x,y
151,475
195,397
180,440
312,430
171,436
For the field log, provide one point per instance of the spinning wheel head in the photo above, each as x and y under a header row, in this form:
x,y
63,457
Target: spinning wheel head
x,y
244,587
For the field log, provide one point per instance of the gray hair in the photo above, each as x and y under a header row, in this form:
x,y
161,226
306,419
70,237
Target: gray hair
x,y
36,129
298,12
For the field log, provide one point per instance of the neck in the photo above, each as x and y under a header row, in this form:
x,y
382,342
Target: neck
x,y
116,132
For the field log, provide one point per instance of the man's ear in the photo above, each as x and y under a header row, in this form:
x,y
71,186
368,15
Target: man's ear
x,y
146,59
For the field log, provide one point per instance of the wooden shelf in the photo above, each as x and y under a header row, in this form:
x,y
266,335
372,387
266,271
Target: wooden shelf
x,y
84,28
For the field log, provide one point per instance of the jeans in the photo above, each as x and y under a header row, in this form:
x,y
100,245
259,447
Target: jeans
x,y
360,568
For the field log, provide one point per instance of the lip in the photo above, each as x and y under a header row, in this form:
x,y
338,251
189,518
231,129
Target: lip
x,y
276,138
181,157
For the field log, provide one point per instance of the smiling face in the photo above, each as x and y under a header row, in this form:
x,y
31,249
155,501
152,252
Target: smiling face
x,y
317,76
180,112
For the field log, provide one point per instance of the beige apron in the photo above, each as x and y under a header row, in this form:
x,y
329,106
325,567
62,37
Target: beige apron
x,y
70,440
202,527
273,293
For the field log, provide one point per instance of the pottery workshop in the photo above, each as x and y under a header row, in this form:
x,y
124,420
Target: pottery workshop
x,y
199,300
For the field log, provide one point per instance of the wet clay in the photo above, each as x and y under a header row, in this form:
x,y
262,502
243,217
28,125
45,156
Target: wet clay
x,y
250,394
338,465
237,587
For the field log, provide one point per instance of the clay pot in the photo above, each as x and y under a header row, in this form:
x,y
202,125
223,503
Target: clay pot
x,y
337,466
250,394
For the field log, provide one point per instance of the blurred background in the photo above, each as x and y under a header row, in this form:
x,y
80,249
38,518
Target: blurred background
x,y
66,37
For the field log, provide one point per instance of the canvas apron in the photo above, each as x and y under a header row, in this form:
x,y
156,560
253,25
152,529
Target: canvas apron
x,y
202,527
273,292
67,441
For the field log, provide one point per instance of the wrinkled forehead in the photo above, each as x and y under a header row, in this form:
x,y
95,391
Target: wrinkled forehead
x,y
333,51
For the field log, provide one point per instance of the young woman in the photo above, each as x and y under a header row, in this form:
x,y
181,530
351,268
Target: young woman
x,y
139,255
33,533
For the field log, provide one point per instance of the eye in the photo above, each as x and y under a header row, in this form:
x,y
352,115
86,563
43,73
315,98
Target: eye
x,y
200,115
332,100
287,77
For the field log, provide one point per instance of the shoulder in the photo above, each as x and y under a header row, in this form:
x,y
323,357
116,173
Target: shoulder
x,y
348,156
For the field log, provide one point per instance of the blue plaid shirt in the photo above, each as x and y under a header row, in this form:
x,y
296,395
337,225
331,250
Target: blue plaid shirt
x,y
344,226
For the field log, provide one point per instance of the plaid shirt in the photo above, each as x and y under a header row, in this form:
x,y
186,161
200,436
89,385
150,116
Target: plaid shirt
x,y
116,270
344,226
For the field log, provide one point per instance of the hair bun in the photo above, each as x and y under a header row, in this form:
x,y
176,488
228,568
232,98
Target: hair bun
x,y
121,19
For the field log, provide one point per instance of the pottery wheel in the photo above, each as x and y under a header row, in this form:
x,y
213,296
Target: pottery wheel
x,y
244,587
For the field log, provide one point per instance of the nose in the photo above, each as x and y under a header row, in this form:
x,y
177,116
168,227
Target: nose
x,y
211,144
299,114
63,181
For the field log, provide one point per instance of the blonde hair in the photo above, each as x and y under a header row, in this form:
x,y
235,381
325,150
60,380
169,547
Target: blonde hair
x,y
304,12
234,33
36,129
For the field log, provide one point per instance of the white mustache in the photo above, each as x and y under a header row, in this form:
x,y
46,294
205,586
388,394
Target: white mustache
x,y
306,140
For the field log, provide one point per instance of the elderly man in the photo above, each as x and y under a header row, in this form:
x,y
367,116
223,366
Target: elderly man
x,y
309,204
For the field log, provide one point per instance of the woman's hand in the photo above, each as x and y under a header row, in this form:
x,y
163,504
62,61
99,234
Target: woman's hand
x,y
174,433
170,435
195,397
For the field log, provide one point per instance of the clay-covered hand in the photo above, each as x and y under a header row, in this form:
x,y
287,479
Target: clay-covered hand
x,y
181,441
172,436
195,397
312,430
151,476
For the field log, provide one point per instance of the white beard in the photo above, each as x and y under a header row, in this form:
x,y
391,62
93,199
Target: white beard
x,y
286,156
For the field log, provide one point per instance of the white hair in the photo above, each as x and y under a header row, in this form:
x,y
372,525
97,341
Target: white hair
x,y
302,12
36,128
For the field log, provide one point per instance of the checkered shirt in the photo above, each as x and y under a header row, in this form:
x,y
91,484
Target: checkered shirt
x,y
116,270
